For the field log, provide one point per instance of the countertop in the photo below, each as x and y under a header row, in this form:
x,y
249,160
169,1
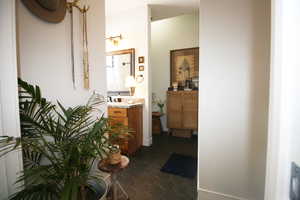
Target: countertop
x,y
122,104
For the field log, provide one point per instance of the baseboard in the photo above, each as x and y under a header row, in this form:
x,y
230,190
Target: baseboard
x,y
147,141
204,194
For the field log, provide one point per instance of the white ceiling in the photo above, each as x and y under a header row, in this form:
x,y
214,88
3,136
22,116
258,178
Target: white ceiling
x,y
160,8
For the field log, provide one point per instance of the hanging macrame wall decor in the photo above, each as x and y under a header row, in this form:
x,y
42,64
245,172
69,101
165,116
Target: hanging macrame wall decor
x,y
85,52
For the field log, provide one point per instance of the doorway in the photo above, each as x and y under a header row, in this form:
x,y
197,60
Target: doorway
x,y
175,73
135,28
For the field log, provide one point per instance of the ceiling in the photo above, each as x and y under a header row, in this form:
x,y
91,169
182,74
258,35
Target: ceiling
x,y
160,9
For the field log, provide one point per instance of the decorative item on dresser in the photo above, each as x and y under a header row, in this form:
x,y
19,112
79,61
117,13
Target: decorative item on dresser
x,y
182,112
131,116
184,64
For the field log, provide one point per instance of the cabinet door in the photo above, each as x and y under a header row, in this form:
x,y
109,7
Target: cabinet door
x,y
124,121
190,110
119,120
135,115
174,105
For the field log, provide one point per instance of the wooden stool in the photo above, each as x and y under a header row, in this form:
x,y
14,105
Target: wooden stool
x,y
105,166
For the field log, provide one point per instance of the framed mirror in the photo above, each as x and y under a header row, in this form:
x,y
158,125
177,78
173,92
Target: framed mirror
x,y
119,65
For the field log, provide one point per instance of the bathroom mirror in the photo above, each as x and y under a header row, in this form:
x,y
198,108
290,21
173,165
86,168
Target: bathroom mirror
x,y
119,65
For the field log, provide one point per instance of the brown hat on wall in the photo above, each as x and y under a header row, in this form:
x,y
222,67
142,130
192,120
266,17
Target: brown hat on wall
x,y
53,11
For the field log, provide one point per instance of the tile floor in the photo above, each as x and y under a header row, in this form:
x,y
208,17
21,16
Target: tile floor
x,y
143,179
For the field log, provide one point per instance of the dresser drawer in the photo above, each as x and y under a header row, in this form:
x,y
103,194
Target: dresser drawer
x,y
117,112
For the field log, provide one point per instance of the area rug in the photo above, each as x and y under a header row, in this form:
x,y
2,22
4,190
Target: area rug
x,y
181,165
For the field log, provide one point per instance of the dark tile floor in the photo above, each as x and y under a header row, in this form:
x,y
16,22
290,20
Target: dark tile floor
x,y
143,179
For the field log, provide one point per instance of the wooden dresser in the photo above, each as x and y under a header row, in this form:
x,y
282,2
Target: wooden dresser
x,y
133,118
182,112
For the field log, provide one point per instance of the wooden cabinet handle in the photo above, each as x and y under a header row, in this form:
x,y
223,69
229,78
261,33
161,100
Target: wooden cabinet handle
x,y
117,112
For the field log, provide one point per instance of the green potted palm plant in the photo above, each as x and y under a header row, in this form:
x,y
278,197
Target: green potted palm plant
x,y
59,147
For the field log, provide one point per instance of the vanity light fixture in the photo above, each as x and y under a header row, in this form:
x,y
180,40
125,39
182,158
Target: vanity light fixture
x,y
115,39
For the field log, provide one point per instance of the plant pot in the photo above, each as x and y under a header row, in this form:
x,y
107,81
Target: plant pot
x,y
97,191
115,157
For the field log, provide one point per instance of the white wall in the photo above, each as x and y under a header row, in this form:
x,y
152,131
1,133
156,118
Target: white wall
x,y
45,54
234,76
284,126
168,34
9,110
10,164
134,26
292,63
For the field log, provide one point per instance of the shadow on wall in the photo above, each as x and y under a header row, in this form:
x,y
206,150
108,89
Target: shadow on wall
x,y
159,12
259,92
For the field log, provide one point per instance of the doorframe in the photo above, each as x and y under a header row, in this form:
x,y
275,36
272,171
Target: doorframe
x,y
278,165
279,138
276,186
11,164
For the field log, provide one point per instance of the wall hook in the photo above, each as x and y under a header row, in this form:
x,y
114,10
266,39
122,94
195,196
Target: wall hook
x,y
75,3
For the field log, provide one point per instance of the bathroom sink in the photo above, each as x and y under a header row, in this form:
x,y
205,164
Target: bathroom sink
x,y
122,104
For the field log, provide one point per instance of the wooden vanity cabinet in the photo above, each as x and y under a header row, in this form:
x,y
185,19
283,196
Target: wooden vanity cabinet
x,y
182,111
133,118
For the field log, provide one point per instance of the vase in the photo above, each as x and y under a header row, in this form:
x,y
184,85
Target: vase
x,y
161,110
163,121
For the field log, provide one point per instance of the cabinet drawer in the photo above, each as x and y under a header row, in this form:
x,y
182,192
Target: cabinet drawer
x,y
117,112
119,120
